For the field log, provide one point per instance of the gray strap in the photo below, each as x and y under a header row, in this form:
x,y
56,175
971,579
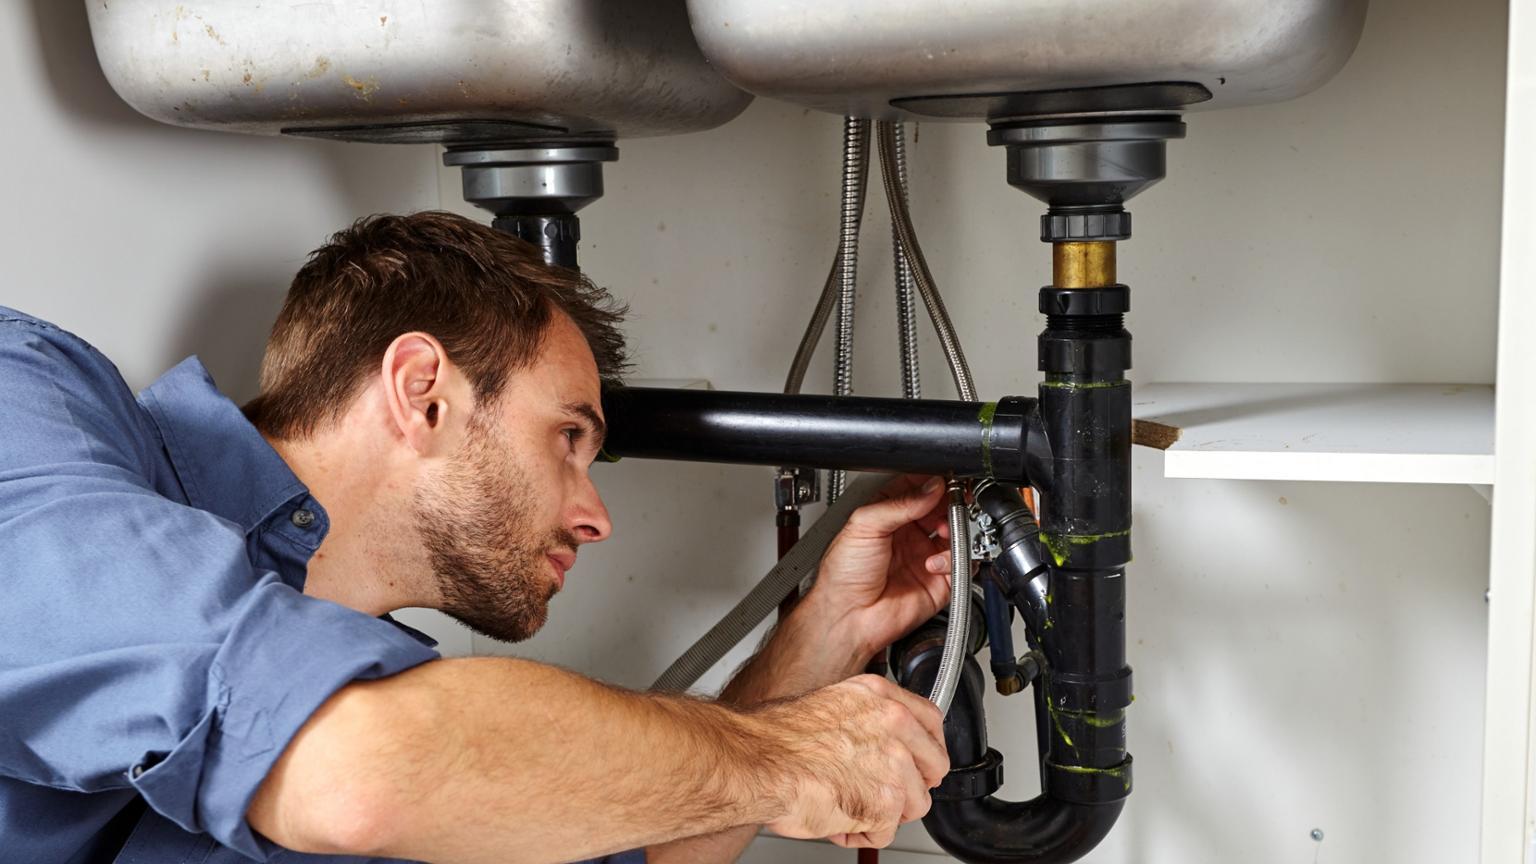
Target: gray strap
x,y
791,570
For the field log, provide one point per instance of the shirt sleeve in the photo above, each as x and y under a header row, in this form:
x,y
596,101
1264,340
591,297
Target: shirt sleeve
x,y
138,645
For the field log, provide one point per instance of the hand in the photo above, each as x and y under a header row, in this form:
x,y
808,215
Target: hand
x,y
860,756
887,571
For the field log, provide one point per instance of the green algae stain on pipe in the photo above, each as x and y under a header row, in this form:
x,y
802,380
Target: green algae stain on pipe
x,y
1095,719
1118,773
1060,730
985,416
1060,545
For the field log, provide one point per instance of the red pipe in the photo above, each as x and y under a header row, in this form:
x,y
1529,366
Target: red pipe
x,y
788,522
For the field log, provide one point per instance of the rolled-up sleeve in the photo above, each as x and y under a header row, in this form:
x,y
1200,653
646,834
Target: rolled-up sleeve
x,y
138,644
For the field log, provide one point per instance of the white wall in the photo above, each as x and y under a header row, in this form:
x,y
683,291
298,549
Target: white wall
x,y
1307,655
154,242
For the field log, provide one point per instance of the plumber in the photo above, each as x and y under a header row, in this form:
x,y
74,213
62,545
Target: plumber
x,y
196,657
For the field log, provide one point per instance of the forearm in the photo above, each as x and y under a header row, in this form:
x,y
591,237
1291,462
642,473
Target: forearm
x,y
805,651
463,760
777,671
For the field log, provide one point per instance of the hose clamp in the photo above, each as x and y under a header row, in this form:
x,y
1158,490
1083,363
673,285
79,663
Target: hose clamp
x,y
984,545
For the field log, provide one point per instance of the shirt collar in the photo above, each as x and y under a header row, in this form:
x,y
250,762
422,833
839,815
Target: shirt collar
x,y
410,631
223,463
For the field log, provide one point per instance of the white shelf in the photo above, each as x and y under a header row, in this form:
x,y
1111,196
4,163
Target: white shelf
x,y
1363,433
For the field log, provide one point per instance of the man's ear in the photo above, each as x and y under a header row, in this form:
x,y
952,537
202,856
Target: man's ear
x,y
421,392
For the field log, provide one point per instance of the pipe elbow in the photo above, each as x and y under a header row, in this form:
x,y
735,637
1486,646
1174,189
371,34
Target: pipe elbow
x,y
1043,830
965,819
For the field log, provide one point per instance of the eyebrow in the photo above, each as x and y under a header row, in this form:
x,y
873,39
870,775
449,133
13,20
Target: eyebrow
x,y
586,412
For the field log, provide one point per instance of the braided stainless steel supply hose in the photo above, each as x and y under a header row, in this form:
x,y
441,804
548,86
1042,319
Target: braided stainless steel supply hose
x,y
901,222
906,311
959,625
826,303
855,160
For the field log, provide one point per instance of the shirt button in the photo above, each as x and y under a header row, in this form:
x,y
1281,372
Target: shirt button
x,y
137,772
303,518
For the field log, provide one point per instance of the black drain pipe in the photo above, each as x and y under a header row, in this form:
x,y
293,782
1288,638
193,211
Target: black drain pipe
x,y
1084,544
1077,621
966,820
918,436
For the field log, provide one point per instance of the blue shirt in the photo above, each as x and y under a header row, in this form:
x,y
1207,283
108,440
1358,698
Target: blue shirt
x,y
157,651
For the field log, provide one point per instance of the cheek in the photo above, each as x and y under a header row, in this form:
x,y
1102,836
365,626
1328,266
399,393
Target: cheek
x,y
547,487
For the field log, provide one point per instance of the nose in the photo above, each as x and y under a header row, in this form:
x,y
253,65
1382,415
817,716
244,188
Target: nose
x,y
586,516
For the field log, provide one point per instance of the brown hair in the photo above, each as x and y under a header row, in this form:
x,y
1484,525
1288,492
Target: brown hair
x,y
485,295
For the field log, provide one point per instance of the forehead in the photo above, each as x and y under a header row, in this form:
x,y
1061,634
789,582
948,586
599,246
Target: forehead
x,y
564,369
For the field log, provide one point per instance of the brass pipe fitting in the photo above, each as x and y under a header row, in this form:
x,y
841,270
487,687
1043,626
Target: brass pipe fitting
x,y
1083,264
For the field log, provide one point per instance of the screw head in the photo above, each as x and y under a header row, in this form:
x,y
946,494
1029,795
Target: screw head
x,y
1317,834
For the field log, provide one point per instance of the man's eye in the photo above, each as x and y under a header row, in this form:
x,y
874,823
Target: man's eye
x,y
572,435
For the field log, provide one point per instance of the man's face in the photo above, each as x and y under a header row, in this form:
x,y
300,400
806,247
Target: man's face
x,y
503,520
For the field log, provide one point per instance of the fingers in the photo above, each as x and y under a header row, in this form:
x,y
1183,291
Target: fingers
x,y
924,739
930,759
936,520
939,563
893,741
913,501
879,839
865,839
903,485
930,719
917,800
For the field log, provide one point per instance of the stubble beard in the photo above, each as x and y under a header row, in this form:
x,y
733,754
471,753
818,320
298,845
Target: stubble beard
x,y
488,559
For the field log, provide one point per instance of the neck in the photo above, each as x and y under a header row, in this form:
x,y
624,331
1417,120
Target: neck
x,y
370,559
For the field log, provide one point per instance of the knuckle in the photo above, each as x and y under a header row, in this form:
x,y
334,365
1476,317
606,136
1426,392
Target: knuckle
x,y
867,680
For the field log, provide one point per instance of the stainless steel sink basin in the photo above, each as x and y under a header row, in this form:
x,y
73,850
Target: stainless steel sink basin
x,y
891,58
442,70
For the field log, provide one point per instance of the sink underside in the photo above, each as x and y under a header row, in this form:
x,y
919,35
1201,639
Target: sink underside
x,y
469,71
906,58
457,71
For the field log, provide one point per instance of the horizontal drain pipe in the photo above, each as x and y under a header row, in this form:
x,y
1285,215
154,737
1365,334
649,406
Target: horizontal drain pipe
x,y
1002,439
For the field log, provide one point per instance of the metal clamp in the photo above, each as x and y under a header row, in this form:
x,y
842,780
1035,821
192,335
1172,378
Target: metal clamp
x,y
795,487
984,545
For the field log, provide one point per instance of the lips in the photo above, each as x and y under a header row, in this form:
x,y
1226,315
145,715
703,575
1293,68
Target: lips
x,y
562,562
